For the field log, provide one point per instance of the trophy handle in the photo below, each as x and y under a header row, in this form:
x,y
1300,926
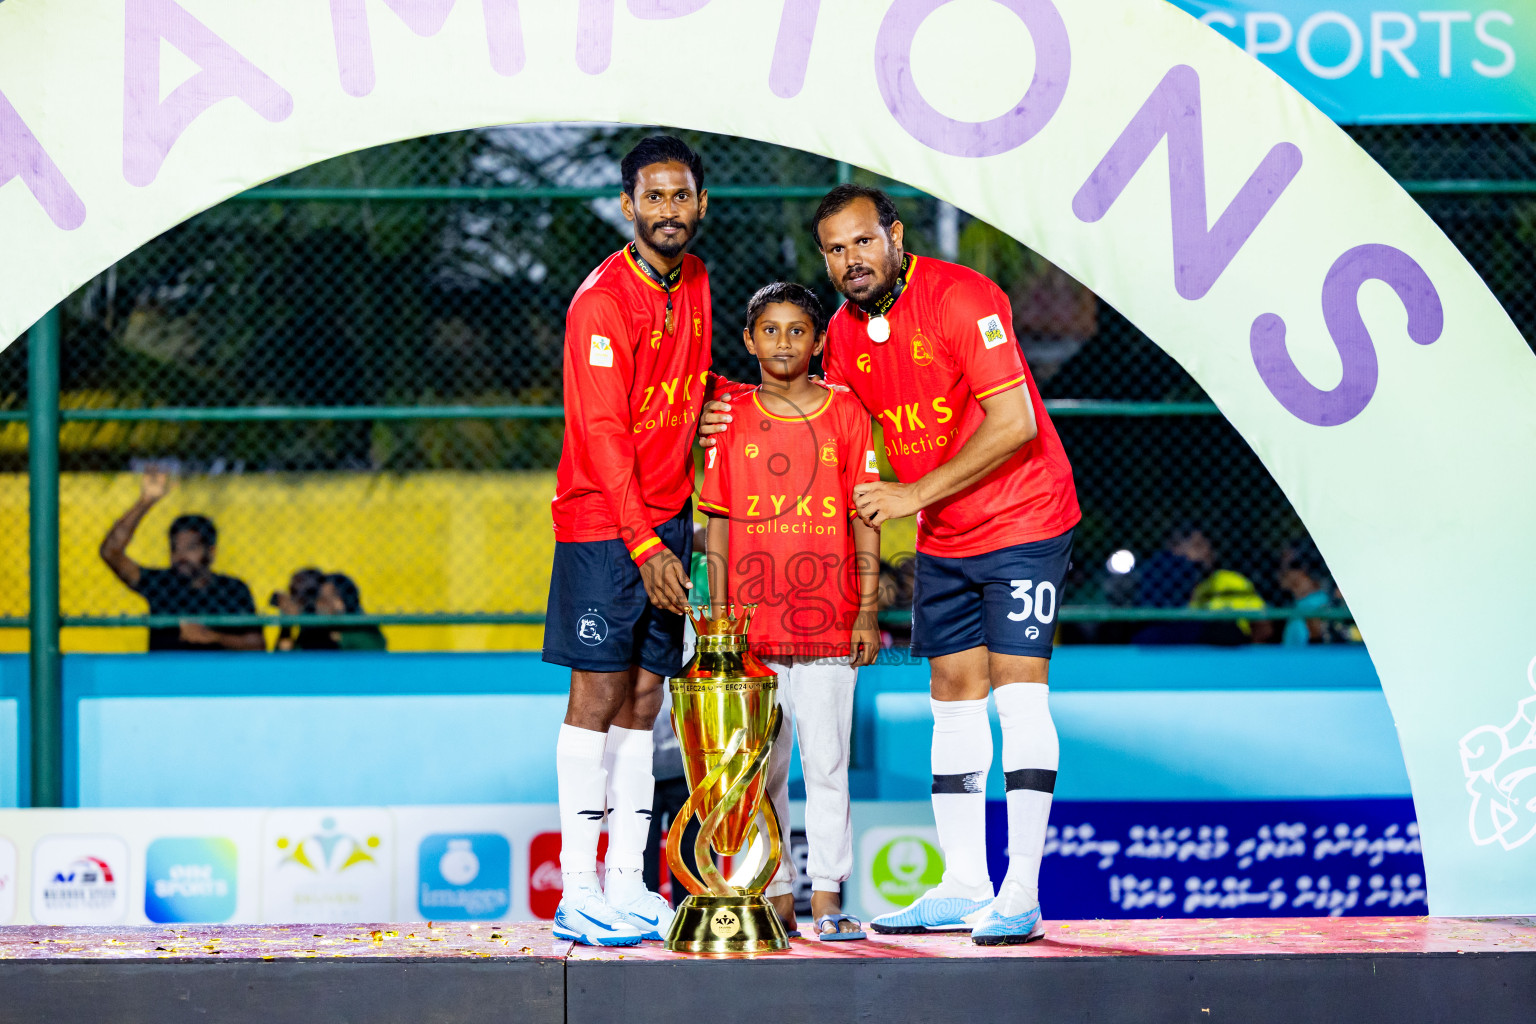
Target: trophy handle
x,y
768,819
712,881
734,795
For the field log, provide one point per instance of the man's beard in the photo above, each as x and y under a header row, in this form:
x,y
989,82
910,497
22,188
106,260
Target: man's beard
x,y
667,248
886,275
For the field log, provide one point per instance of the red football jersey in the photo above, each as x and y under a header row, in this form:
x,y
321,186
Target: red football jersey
x,y
786,484
632,397
951,345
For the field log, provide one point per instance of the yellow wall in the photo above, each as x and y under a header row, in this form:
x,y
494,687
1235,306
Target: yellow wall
x,y
432,541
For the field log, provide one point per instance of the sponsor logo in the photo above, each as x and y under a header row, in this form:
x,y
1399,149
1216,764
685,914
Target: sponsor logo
x,y
871,464
327,866
724,924
992,334
592,629
829,452
922,353
1033,632
903,868
464,877
190,880
79,880
7,881
751,451
601,353
545,886
862,362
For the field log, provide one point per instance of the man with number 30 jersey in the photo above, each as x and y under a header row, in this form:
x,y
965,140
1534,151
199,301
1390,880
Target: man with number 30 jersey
x,y
928,348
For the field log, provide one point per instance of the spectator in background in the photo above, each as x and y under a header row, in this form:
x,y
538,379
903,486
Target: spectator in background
x,y
339,596
1225,590
1304,575
1169,578
299,599
189,587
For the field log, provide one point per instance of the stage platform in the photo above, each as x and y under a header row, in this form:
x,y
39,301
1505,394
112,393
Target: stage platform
x,y
1248,970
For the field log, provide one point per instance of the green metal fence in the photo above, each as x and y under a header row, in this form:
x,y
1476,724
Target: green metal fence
x,y
358,367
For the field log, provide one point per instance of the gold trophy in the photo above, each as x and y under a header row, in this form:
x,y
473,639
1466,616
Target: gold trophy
x,y
726,715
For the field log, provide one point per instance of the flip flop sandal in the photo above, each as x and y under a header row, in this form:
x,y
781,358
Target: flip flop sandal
x,y
836,934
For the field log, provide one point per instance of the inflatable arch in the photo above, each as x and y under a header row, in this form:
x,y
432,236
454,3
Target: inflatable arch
x,y
1326,315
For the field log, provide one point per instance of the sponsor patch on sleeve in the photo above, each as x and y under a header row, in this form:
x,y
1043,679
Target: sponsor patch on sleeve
x,y
991,330
870,464
601,353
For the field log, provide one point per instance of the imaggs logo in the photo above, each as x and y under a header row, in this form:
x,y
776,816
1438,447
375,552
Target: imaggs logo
x,y
1500,765
465,877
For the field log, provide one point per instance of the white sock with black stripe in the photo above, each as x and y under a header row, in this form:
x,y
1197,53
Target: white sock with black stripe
x,y
1031,753
631,788
962,754
581,783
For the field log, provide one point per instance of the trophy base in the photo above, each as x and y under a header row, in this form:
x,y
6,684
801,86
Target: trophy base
x,y
738,925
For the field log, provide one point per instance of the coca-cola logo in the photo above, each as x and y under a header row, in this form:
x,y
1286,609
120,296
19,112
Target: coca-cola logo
x,y
545,876
545,885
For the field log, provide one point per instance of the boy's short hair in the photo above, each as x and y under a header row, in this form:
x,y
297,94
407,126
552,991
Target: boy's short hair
x,y
794,294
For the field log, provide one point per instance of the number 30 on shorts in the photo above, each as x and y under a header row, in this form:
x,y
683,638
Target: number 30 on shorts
x,y
1042,603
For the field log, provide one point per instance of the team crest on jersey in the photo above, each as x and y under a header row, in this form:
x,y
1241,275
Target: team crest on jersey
x,y
862,362
992,330
750,451
922,354
698,326
601,353
829,452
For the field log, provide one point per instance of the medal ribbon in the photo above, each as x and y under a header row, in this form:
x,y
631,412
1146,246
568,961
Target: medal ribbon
x,y
666,281
883,304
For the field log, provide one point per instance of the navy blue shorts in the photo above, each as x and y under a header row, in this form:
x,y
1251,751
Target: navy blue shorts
x,y
1004,600
599,619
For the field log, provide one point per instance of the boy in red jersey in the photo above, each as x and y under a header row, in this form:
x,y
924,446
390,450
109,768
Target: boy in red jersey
x,y
637,355
928,348
783,535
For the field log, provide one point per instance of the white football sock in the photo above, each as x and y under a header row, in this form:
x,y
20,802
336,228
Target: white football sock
x,y
581,782
631,787
1031,753
962,753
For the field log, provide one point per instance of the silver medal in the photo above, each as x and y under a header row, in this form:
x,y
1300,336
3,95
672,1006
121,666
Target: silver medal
x,y
879,329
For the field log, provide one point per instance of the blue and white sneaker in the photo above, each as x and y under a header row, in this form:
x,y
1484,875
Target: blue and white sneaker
x,y
585,917
647,911
1012,920
934,911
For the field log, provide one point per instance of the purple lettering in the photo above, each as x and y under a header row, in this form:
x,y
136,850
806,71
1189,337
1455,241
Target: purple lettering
x,y
657,10
893,70
1341,312
504,33
22,155
594,26
1200,253
594,36
152,128
792,51
354,42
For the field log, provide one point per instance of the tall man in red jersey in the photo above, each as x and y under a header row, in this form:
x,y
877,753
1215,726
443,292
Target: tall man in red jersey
x,y
928,348
637,355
